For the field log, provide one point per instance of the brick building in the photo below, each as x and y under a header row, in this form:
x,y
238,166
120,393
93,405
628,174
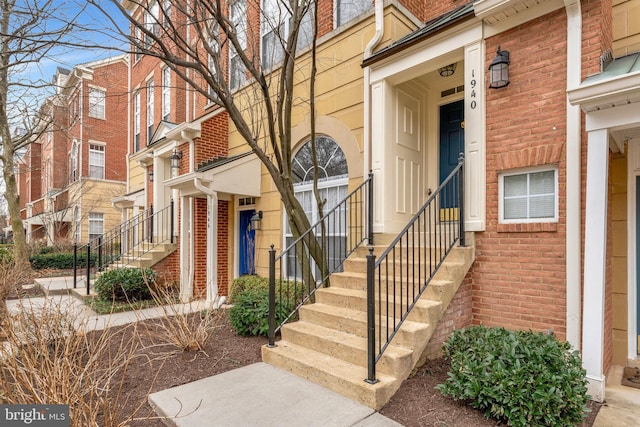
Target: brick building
x,y
74,169
402,88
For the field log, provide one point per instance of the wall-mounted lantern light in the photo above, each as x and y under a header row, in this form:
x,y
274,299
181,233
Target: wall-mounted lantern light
x,y
150,175
175,161
256,221
447,70
499,70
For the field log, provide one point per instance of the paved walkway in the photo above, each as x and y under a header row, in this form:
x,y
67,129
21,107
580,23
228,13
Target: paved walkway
x,y
264,395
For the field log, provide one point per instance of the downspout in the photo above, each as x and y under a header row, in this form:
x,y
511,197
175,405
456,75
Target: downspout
x,y
368,50
573,191
212,236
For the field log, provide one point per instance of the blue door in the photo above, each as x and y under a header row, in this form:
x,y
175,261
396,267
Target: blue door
x,y
247,250
451,144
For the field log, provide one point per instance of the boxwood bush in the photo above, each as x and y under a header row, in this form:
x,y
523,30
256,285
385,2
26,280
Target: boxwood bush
x,y
125,284
523,377
59,260
249,281
250,312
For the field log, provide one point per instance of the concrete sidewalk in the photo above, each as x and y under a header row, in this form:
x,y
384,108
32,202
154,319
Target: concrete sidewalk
x,y
264,395
261,395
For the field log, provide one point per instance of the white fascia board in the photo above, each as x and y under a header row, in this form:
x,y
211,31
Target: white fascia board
x,y
607,93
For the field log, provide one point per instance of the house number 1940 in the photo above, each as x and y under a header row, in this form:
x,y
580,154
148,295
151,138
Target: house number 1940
x,y
473,84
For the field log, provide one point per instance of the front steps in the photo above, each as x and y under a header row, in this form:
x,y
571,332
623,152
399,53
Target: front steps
x,y
145,257
328,344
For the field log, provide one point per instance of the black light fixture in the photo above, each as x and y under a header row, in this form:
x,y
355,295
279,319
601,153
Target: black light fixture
x,y
447,70
256,221
175,160
150,175
499,70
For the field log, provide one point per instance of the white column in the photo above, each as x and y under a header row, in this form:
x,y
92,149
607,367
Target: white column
x,y
212,248
186,252
595,253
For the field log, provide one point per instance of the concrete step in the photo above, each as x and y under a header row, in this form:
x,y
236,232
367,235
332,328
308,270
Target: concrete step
x,y
347,347
355,322
330,372
425,308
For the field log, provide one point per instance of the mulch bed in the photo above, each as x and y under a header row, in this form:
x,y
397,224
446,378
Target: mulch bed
x,y
417,403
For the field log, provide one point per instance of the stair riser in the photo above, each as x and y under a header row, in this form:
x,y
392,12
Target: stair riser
x,y
397,367
413,252
360,303
373,396
358,327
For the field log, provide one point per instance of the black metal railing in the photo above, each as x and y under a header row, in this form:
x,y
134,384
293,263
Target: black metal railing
x,y
306,263
125,243
397,279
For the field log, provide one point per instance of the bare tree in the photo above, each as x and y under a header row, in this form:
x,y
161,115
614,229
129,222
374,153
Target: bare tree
x,y
201,39
29,31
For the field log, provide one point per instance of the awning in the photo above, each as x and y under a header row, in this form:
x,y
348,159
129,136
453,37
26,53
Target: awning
x,y
236,175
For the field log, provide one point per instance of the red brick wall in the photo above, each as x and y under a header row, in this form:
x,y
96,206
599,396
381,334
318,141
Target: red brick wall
x,y
458,315
518,279
200,247
214,139
223,247
168,269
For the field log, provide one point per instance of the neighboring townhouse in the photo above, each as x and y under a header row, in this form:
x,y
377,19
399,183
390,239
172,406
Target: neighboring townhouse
x,y
78,162
541,97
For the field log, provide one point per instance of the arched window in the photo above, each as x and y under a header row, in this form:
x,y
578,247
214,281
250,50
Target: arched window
x,y
333,177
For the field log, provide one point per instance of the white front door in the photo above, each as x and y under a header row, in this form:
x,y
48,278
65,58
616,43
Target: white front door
x,y
406,160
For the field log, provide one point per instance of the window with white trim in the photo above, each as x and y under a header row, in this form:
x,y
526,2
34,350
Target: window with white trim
x,y
76,223
346,10
96,161
166,93
149,111
529,195
166,5
97,99
96,225
151,22
73,162
333,185
136,122
274,29
237,71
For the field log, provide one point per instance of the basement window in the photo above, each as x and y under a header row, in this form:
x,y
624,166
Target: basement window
x,y
529,195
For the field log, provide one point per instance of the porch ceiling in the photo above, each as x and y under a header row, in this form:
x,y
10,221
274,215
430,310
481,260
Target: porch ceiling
x,y
239,176
494,11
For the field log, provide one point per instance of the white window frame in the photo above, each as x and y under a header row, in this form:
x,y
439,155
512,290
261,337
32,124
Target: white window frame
x,y
150,119
527,171
97,103
274,17
166,93
136,122
76,223
73,159
352,8
151,22
96,219
238,16
97,157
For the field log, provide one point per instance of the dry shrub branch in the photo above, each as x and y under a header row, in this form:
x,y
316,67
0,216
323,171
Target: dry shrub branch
x,y
49,359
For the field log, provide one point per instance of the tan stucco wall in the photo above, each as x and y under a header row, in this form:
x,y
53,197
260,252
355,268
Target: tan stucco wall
x,y
618,184
95,196
626,27
339,109
136,176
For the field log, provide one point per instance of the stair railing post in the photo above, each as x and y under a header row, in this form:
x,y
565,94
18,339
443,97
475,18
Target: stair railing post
x,y
371,318
171,221
75,264
99,254
272,296
88,266
461,199
151,218
370,209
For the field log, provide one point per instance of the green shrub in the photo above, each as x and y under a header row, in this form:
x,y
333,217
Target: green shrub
x,y
523,377
250,312
125,284
249,281
6,254
59,260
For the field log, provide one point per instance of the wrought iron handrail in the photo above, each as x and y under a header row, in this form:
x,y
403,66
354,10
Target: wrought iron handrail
x,y
299,275
133,238
399,277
